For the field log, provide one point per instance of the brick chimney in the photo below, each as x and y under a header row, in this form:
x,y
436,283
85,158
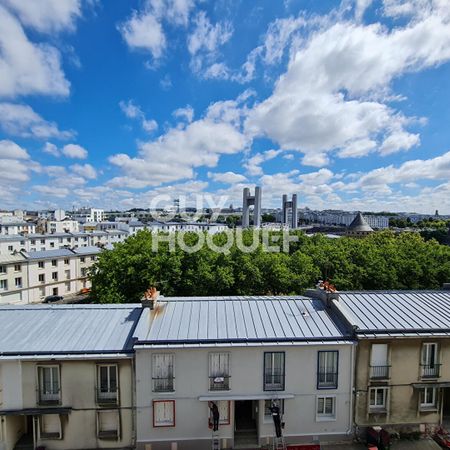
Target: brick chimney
x,y
150,298
324,291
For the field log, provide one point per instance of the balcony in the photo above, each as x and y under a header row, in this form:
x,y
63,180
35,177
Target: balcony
x,y
274,381
219,383
163,384
380,372
327,380
48,398
106,397
431,370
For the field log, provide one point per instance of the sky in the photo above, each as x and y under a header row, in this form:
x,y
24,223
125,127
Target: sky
x,y
113,104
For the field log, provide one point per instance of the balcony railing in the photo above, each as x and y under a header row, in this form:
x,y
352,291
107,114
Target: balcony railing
x,y
380,372
219,383
106,397
163,384
431,370
327,380
49,398
273,381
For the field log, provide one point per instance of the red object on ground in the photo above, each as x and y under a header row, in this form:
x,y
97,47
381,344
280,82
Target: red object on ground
x,y
442,437
372,448
304,447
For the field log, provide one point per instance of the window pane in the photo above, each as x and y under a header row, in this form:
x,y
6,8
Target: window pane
x,y
113,378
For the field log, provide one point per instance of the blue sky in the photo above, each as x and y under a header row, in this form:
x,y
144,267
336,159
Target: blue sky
x,y
112,104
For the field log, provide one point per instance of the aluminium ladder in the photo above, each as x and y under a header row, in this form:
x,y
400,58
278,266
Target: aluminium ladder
x,y
279,443
215,441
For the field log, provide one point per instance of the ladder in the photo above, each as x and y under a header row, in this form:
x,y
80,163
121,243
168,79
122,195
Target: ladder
x,y
279,443
215,441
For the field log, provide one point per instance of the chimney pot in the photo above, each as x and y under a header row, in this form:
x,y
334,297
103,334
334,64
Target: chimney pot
x,y
150,298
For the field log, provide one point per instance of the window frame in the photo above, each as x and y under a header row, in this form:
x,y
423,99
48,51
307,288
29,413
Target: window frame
x,y
323,416
266,386
107,399
268,418
378,408
321,386
227,377
222,421
110,437
40,391
49,436
154,378
172,402
428,406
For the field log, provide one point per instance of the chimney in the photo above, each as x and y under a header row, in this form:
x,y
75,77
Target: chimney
x,y
446,286
150,298
324,291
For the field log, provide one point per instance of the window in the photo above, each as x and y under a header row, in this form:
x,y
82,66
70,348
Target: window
x,y
108,424
326,407
48,384
33,241
163,372
224,412
429,360
163,413
43,241
41,264
67,274
274,371
107,383
54,262
52,245
378,398
41,277
82,259
2,269
66,261
327,370
379,368
42,292
17,267
219,371
83,271
4,285
18,282
55,276
268,405
428,398
68,286
10,248
50,426
92,258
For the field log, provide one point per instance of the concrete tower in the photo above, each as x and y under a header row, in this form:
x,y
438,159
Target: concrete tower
x,y
292,205
247,201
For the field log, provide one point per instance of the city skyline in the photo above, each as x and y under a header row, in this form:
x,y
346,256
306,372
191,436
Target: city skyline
x,y
111,104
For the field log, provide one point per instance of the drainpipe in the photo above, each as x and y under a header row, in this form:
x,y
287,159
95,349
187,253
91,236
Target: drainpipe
x,y
133,403
352,412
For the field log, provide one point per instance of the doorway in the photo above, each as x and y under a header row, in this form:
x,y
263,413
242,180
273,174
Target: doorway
x,y
245,423
446,407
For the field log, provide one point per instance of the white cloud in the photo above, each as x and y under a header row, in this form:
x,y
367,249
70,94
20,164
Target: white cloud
x,y
253,164
84,170
334,94
133,111
51,149
26,67
52,191
10,150
142,31
186,113
175,12
12,171
22,120
46,15
227,177
360,8
74,151
204,43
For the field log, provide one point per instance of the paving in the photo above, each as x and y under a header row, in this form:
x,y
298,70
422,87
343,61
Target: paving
x,y
423,444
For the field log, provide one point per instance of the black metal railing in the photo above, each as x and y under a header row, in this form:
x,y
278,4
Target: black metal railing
x,y
165,384
274,381
47,397
219,383
327,380
380,372
107,397
431,370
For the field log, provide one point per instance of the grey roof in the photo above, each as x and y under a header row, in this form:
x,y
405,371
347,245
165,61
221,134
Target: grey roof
x,y
360,224
44,254
396,312
67,329
11,237
203,320
11,258
87,250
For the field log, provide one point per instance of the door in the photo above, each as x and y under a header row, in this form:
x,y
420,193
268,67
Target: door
x,y
55,291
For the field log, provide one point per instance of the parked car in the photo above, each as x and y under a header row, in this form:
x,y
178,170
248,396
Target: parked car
x,y
53,298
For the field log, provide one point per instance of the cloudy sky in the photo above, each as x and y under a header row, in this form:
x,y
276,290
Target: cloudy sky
x,y
111,103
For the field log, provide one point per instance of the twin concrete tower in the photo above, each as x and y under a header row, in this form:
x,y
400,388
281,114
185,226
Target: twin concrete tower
x,y
288,206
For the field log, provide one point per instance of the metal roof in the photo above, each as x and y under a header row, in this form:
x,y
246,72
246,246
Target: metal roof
x,y
212,320
396,313
67,329
57,253
87,250
359,223
11,258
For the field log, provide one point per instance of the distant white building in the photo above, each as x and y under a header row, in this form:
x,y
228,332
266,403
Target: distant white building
x,y
11,226
62,226
89,215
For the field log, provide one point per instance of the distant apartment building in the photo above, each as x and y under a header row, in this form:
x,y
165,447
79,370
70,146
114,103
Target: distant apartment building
x,y
62,226
29,277
66,377
84,215
14,227
244,354
344,218
172,227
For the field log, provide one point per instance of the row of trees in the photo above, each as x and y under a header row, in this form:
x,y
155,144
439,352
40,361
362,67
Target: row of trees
x,y
380,261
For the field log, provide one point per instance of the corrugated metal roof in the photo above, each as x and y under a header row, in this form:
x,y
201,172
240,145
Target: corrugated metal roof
x,y
67,329
396,312
11,258
238,319
57,253
91,250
